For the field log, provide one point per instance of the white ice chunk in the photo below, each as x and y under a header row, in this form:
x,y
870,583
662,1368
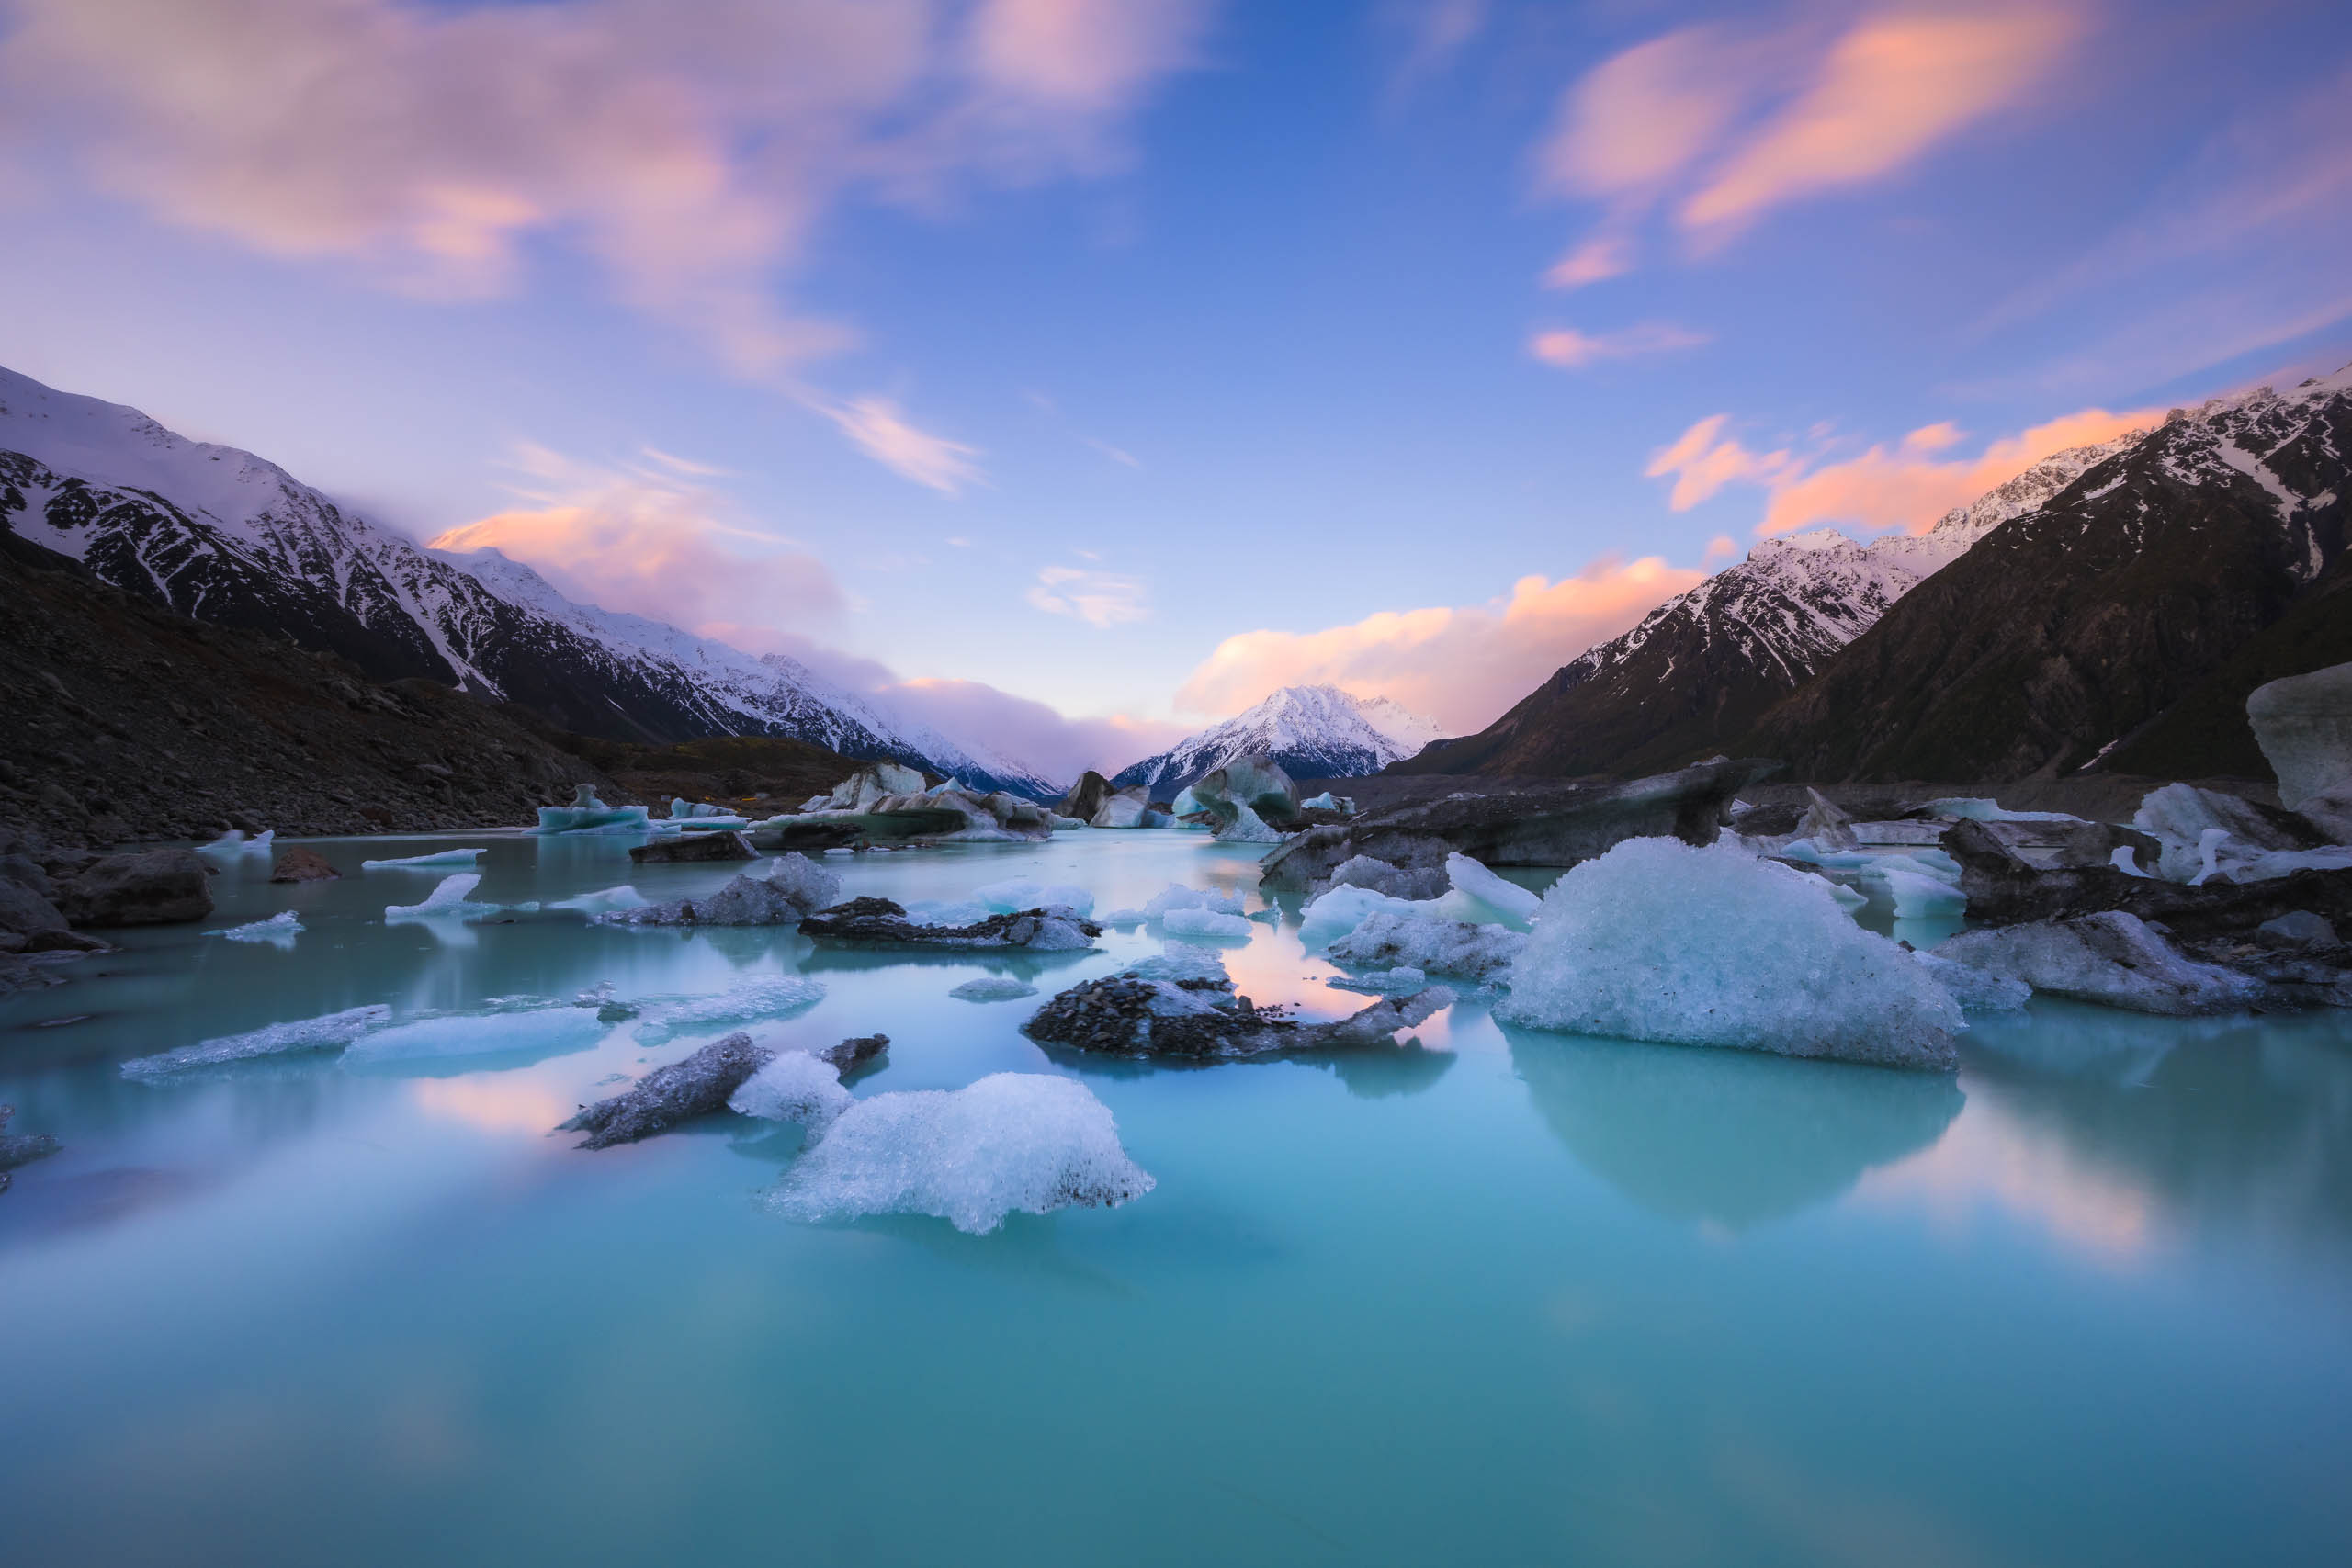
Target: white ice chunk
x,y
1058,935
281,929
2282,862
1019,893
1124,919
1248,827
1976,991
753,1001
330,1032
232,844
793,1087
809,886
993,988
543,1031
2112,958
1403,981
1334,914
586,814
604,901
1915,893
446,901
1981,809
1479,897
1386,939
1012,1141
1182,961
1176,895
425,862
1206,924
1658,940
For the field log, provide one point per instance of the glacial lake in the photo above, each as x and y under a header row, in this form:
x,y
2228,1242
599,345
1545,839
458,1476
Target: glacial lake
x,y
1513,1299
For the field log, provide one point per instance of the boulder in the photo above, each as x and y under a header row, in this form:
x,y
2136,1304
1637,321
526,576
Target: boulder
x,y
2304,725
301,864
855,1056
25,912
695,1087
1086,797
158,887
1560,825
689,847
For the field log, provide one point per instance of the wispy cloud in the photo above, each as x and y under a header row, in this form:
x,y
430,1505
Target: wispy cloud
x,y
1713,127
1462,665
1573,350
1906,484
689,149
1098,598
878,427
652,539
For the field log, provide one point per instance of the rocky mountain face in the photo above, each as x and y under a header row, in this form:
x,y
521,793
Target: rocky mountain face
x,y
121,720
1315,732
2162,583
235,541
1701,669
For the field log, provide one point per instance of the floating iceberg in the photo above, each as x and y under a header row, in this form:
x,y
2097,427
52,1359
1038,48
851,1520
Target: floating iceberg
x,y
281,929
1248,827
754,1001
1180,963
1211,924
1333,915
604,901
1012,1141
993,988
1176,895
1387,940
1479,897
233,845
1402,981
2112,957
1659,941
586,814
808,884
1012,897
957,912
664,1098
1326,801
1981,810
795,1086
1976,991
425,862
1915,893
447,901
330,1032
681,809
542,1031
1122,919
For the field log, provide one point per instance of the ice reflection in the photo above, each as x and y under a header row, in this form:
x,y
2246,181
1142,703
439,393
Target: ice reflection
x,y
1731,1138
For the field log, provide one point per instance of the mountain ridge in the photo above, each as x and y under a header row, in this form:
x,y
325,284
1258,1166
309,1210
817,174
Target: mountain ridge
x,y
1313,731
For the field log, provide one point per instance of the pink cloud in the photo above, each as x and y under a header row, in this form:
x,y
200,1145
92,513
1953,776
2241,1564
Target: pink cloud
x,y
1905,486
1716,126
1461,665
974,713
1573,350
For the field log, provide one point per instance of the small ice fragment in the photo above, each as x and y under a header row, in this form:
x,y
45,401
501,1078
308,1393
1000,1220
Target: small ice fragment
x,y
1207,923
425,862
1012,1141
1013,896
1403,981
1334,914
545,1031
232,844
993,988
331,1032
604,901
281,928
448,898
1440,946
1479,897
1181,962
1122,918
793,1087
944,912
805,885
1915,893
753,1001
1176,895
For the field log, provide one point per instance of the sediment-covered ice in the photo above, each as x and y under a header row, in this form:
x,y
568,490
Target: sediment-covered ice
x,y
1387,940
446,901
331,1032
281,929
2112,957
993,988
544,1031
808,884
793,1087
1012,1141
1976,991
1206,924
1659,941
425,862
753,1001
1011,897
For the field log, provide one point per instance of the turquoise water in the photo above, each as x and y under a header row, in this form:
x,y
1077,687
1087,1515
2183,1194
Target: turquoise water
x,y
1514,1299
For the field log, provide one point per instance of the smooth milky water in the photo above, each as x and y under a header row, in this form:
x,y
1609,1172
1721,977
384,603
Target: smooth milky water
x,y
1516,1298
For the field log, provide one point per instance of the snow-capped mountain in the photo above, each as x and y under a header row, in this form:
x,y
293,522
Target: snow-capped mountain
x,y
1315,732
2120,622
223,536
1703,666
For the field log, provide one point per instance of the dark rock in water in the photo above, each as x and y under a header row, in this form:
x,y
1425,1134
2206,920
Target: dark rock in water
x,y
1558,825
880,921
2004,889
813,835
691,848
1086,797
18,974
303,864
159,887
2298,929
20,1148
856,1056
697,1086
25,907
1125,1015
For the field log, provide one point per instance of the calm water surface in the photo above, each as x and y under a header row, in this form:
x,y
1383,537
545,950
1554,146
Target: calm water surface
x,y
1518,1298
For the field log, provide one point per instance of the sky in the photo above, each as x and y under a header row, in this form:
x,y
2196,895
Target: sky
x,y
1073,373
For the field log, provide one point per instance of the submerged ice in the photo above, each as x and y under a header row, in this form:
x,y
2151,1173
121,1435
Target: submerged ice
x,y
753,1001
331,1032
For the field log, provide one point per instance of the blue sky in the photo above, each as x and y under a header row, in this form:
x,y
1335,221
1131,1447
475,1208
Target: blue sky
x,y
1133,358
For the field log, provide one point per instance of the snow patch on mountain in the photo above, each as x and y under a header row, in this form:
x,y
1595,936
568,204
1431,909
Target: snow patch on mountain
x,y
1313,731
